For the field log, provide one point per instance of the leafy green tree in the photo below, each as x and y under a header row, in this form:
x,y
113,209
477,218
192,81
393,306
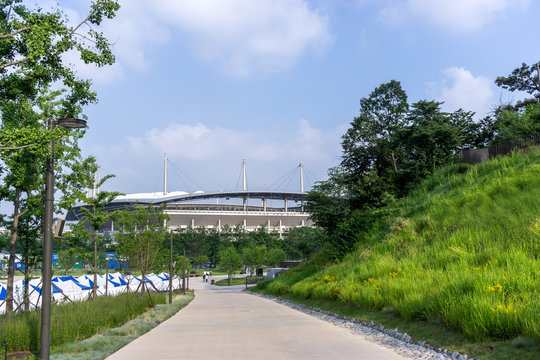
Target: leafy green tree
x,y
141,237
525,78
432,139
512,124
32,43
67,259
95,216
274,256
229,259
200,260
254,257
304,241
369,145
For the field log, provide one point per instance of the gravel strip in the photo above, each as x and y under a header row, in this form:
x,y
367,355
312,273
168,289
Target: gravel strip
x,y
401,343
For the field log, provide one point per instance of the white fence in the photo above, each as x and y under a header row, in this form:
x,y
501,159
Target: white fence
x,y
71,289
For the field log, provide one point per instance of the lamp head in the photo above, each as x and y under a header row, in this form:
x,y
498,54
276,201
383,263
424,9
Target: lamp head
x,y
71,123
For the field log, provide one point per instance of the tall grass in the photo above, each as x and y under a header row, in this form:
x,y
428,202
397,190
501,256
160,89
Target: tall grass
x,y
109,341
465,250
72,322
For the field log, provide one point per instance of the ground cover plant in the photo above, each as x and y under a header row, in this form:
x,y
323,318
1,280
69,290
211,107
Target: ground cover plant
x,y
462,250
73,322
109,341
239,281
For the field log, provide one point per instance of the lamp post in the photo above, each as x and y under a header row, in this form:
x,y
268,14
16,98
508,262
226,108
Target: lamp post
x,y
170,268
46,269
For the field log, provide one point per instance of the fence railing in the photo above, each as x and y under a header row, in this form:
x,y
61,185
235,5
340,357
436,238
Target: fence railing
x,y
476,156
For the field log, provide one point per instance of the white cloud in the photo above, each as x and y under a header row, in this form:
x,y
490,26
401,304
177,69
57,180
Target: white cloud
x,y
240,37
245,37
211,154
455,15
461,89
200,142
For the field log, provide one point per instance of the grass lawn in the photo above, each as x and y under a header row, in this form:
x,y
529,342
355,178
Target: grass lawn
x,y
235,281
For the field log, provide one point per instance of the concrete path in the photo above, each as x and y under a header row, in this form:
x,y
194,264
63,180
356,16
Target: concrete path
x,y
225,323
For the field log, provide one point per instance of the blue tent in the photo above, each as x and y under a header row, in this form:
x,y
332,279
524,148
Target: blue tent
x,y
3,292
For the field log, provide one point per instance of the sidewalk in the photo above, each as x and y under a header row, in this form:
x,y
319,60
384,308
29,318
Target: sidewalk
x,y
225,323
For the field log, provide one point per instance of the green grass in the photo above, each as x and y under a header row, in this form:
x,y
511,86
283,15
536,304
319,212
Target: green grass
x,y
463,250
236,281
109,341
73,322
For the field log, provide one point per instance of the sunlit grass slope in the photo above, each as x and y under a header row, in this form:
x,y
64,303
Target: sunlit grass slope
x,y
464,249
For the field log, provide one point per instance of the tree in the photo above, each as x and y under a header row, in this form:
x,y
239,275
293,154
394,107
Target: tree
x,y
229,259
275,256
302,242
67,259
431,139
95,217
141,237
512,124
525,78
32,43
254,257
370,144
200,260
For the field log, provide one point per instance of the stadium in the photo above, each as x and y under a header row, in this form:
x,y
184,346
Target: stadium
x,y
249,209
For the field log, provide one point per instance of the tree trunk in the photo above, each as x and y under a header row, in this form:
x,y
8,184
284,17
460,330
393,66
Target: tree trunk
x,y
106,276
394,162
26,276
12,253
230,275
94,288
143,283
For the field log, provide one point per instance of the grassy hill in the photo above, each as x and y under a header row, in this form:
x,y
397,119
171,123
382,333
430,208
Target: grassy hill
x,y
463,250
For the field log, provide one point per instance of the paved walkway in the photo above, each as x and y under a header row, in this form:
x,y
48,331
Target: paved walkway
x,y
225,323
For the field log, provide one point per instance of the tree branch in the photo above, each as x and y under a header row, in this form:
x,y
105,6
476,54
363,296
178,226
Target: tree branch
x,y
17,147
82,22
15,32
14,63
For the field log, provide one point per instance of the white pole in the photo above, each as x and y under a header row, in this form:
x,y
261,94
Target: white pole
x,y
165,175
244,182
98,179
301,177
94,188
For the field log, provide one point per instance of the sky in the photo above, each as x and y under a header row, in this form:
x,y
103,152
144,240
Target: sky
x,y
278,81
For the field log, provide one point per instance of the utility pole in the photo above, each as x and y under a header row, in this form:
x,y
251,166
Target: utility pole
x,y
184,273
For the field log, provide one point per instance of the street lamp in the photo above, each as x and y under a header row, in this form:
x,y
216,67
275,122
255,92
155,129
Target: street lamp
x,y
46,270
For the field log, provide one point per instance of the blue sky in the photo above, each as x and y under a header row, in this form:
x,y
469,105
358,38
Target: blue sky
x,y
278,82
